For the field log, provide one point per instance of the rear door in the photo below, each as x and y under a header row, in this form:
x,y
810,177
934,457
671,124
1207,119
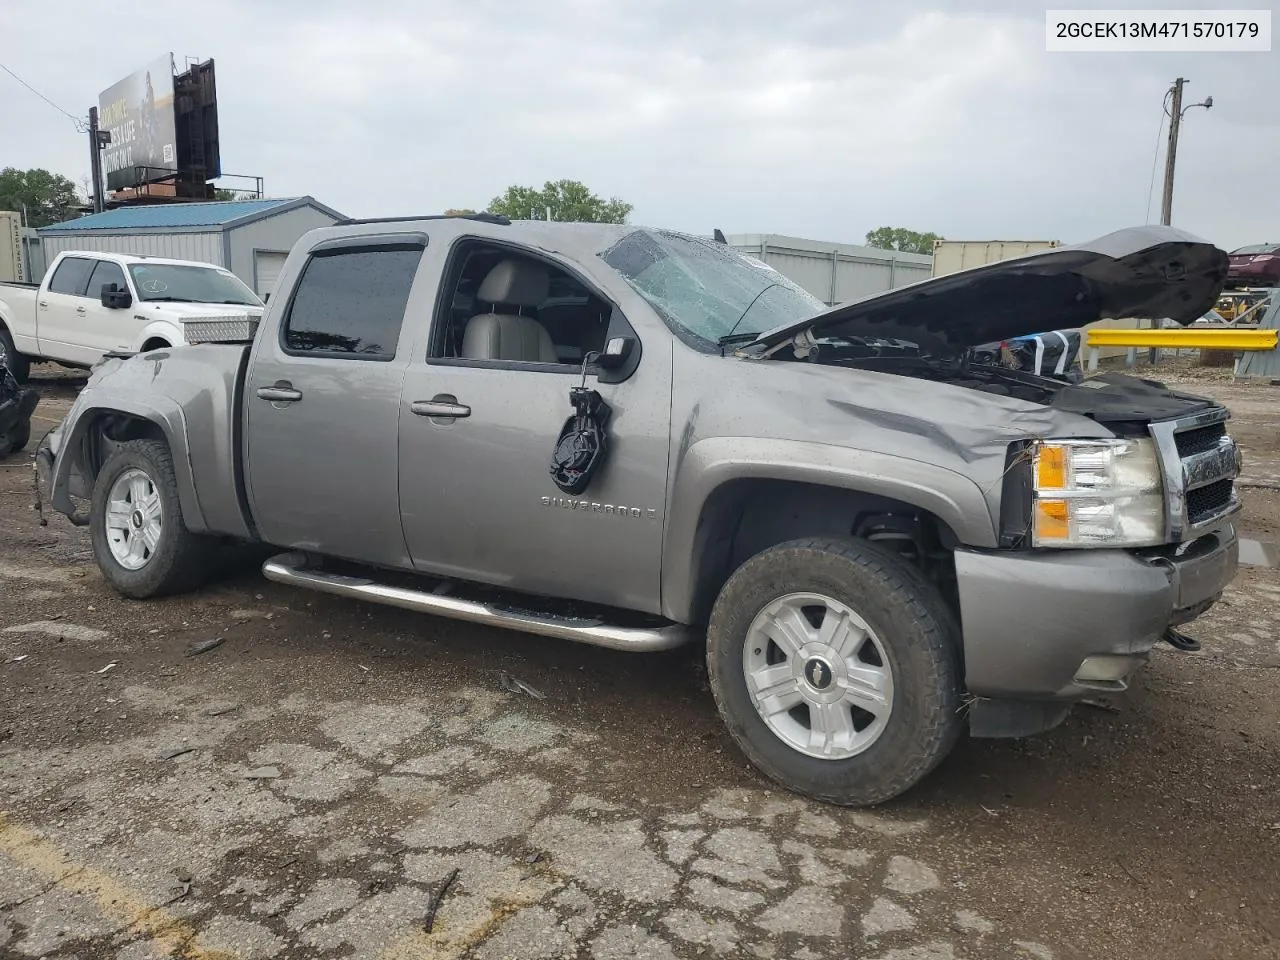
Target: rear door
x,y
322,400
62,312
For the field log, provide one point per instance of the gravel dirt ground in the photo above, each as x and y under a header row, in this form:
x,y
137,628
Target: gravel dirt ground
x,y
304,788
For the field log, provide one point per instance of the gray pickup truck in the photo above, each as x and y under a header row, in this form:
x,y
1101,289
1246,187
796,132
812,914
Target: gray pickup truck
x,y
637,438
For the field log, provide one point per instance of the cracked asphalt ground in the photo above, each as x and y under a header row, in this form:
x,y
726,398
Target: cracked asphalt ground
x,y
304,788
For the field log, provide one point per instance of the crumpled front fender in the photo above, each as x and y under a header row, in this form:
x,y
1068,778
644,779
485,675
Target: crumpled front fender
x,y
75,445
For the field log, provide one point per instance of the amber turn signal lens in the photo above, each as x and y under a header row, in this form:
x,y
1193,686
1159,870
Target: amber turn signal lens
x,y
1051,468
1052,520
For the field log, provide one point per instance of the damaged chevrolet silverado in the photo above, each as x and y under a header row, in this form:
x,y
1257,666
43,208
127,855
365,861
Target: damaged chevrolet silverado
x,y
635,438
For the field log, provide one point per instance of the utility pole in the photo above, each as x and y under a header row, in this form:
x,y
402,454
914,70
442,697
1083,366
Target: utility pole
x,y
1170,158
1171,154
95,157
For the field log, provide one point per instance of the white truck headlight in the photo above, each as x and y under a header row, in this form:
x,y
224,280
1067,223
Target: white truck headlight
x,y
1096,493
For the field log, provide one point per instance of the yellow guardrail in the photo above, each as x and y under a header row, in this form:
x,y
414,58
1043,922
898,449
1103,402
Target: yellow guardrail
x,y
1188,338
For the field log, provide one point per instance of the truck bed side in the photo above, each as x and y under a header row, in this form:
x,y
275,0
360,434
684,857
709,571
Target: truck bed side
x,y
18,313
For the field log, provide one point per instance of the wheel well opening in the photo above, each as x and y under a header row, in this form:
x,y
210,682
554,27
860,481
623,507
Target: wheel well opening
x,y
156,343
107,431
744,517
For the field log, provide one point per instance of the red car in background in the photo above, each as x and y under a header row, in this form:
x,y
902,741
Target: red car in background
x,y
1255,266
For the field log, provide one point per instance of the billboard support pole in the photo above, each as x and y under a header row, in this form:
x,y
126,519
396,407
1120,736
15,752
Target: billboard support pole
x,y
95,160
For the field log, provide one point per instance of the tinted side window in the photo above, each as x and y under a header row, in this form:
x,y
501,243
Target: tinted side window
x,y
105,272
350,303
71,276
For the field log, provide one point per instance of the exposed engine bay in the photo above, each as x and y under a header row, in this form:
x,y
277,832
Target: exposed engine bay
x,y
1111,398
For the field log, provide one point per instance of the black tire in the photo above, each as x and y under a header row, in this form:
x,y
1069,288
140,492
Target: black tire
x,y
181,560
16,439
18,365
914,626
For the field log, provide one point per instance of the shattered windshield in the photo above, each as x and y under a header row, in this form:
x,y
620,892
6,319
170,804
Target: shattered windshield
x,y
190,284
707,289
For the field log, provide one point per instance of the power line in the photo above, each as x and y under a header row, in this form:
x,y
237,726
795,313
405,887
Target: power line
x,y
80,123
1155,158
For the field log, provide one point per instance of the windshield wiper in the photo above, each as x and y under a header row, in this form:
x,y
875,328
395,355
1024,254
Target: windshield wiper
x,y
167,300
732,338
727,337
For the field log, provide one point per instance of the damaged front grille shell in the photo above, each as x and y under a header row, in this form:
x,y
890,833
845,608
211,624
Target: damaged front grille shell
x,y
1200,463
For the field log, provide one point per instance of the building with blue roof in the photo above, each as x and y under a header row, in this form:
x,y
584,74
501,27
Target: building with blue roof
x,y
251,238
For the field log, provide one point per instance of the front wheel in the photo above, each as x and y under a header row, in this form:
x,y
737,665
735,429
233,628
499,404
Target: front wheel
x,y
139,539
836,667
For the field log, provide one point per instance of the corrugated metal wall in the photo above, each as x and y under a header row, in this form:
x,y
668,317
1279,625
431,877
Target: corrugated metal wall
x,y
203,247
276,234
835,272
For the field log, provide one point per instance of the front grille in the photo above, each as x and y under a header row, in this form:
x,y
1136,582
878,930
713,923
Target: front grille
x,y
1200,439
1208,501
1199,461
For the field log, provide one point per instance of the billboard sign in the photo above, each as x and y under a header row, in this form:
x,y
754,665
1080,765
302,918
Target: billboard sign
x,y
138,112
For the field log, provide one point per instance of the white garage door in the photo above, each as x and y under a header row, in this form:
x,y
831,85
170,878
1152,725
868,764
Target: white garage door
x,y
267,265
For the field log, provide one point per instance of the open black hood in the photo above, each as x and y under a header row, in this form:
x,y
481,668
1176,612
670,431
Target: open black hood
x,y
1150,272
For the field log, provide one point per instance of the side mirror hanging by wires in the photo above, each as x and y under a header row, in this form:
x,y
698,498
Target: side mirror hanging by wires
x,y
583,444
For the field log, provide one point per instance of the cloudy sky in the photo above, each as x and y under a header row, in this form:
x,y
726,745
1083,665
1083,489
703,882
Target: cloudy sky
x,y
821,119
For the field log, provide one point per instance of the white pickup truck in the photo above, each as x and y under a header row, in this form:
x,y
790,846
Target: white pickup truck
x,y
91,304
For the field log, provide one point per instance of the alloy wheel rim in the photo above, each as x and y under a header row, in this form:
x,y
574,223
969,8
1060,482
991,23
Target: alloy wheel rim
x,y
818,676
134,519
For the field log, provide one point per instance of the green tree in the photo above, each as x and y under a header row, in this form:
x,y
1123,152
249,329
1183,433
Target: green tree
x,y
220,194
901,239
46,197
569,201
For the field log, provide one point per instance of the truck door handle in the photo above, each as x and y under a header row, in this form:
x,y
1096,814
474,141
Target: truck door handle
x,y
44,304
444,406
280,392
80,310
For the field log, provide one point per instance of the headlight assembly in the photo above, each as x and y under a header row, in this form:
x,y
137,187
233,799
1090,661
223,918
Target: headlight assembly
x,y
1096,493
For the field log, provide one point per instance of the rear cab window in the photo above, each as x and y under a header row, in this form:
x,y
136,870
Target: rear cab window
x,y
72,276
350,300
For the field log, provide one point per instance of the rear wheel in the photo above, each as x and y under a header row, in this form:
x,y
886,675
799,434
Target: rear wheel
x,y
139,539
18,365
836,667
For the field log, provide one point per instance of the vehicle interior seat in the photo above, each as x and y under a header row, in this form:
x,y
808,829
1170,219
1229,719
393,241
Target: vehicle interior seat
x,y
515,283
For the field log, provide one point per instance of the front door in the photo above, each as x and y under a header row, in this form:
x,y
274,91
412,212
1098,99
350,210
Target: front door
x,y
478,500
322,400
108,328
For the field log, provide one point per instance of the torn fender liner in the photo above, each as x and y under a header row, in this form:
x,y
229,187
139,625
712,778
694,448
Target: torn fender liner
x,y
583,443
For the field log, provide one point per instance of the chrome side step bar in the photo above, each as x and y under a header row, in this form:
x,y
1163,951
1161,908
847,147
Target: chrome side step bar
x,y
290,568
